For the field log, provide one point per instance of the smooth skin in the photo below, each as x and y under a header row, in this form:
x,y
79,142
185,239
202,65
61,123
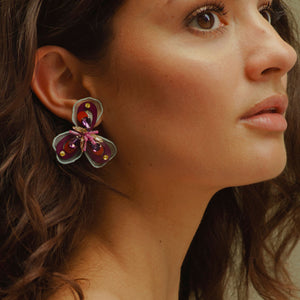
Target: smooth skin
x,y
173,96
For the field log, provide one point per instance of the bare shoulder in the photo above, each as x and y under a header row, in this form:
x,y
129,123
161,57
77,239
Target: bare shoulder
x,y
66,294
102,296
63,293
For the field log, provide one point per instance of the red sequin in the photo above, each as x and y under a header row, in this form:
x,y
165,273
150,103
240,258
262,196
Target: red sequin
x,y
68,149
100,151
81,115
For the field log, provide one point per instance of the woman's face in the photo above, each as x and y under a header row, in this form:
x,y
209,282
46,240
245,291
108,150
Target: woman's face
x,y
178,80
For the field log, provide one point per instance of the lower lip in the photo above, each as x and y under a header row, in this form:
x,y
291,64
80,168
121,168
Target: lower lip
x,y
267,121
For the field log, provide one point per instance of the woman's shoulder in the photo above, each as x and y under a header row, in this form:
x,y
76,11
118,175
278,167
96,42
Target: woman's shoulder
x,y
67,294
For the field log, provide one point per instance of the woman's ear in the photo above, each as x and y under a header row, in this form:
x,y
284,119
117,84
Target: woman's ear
x,y
57,80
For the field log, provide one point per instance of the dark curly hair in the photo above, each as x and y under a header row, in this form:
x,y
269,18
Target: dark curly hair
x,y
44,206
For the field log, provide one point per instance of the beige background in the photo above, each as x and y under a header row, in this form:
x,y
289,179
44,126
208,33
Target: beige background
x,y
295,4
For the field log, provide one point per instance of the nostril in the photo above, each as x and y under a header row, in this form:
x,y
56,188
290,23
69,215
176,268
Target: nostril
x,y
270,70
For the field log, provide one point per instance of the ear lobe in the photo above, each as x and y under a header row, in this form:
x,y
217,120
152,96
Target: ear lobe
x,y
57,80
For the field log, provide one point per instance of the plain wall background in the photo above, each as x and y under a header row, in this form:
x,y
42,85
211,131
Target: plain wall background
x,y
295,4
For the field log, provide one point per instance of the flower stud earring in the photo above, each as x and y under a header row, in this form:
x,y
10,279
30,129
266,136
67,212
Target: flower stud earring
x,y
69,145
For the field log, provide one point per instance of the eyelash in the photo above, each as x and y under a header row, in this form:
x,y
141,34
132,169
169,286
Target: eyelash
x,y
218,7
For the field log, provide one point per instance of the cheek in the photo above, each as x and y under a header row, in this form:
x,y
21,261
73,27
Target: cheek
x,y
176,114
176,87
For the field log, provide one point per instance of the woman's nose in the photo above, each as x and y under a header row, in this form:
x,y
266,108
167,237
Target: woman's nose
x,y
267,55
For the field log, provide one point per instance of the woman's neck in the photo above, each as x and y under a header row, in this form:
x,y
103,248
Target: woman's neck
x,y
136,245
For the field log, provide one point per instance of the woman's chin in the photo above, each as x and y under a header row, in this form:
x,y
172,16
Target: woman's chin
x,y
266,170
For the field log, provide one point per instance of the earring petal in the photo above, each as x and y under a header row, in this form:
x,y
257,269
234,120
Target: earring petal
x,y
87,113
67,148
100,153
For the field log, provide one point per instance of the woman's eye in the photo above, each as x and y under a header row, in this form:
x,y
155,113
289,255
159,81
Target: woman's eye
x,y
206,19
267,13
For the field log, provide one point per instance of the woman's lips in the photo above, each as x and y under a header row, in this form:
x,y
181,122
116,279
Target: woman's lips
x,y
268,115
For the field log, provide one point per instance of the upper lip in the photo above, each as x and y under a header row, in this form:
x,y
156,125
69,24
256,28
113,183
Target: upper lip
x,y
274,104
